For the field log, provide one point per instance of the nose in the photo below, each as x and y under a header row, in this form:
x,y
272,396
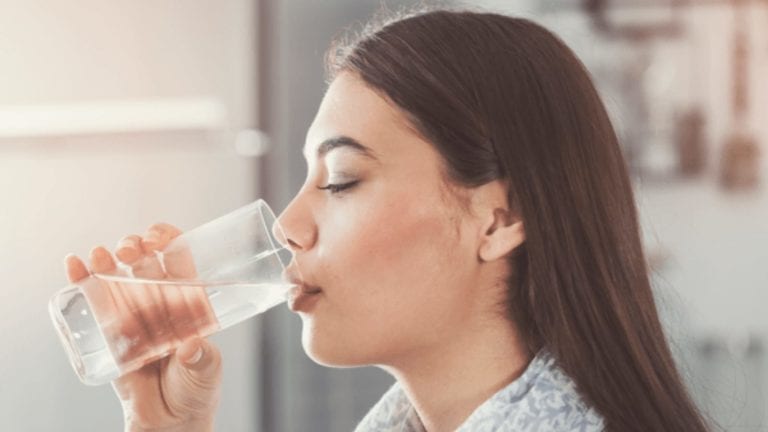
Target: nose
x,y
295,227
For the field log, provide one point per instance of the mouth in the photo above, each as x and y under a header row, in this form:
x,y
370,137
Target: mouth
x,y
309,290
302,297
303,294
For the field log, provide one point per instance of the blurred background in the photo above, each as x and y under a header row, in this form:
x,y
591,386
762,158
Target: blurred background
x,y
115,115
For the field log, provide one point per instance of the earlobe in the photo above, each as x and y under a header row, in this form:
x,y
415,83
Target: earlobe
x,y
501,237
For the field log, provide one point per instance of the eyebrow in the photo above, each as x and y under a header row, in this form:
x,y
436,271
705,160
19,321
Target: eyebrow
x,y
344,141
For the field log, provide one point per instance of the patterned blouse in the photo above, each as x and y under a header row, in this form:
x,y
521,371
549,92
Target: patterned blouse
x,y
542,399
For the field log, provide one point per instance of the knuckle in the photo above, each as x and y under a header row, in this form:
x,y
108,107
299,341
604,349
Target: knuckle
x,y
158,227
131,239
166,229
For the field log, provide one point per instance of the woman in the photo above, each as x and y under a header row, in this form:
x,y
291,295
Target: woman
x,y
467,224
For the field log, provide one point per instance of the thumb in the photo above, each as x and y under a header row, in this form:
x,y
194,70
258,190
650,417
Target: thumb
x,y
194,379
197,355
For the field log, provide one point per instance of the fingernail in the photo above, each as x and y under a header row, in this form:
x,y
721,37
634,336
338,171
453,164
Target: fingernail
x,y
127,255
126,243
195,357
98,251
127,251
152,238
154,234
68,259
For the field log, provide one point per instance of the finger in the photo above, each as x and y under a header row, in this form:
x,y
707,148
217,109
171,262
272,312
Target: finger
x,y
187,307
180,265
75,268
144,265
109,296
101,260
139,251
178,261
128,321
158,236
107,305
128,249
168,317
195,372
162,305
193,356
187,311
177,258
152,312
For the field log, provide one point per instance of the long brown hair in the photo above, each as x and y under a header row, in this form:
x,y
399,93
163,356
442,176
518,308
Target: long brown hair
x,y
503,98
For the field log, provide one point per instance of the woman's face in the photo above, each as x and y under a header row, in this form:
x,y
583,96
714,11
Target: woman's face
x,y
393,253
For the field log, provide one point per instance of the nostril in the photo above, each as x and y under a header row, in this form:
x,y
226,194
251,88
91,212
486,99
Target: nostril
x,y
278,234
282,239
293,245
294,229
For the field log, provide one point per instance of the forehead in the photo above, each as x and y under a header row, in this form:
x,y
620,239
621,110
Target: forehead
x,y
352,109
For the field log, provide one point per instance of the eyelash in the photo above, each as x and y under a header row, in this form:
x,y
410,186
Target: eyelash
x,y
337,188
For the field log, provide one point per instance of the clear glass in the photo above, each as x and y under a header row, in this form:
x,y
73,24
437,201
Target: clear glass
x,y
217,275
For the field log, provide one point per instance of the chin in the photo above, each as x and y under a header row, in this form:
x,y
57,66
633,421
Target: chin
x,y
333,351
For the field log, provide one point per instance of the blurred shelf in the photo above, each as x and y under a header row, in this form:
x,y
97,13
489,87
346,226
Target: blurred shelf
x,y
109,117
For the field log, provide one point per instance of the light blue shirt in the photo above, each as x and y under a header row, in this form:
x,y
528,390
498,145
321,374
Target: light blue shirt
x,y
542,399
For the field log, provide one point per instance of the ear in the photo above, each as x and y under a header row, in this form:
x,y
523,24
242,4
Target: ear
x,y
501,230
502,234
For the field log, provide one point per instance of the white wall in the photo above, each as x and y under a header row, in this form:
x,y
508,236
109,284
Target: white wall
x,y
68,193
62,51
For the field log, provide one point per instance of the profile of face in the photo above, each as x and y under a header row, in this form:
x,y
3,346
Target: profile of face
x,y
375,226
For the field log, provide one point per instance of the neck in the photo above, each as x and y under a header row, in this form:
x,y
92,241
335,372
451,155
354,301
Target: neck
x,y
448,382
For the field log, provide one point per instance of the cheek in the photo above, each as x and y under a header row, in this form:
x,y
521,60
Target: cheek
x,y
391,240
390,271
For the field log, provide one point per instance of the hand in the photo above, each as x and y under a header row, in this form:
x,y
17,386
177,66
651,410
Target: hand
x,y
178,392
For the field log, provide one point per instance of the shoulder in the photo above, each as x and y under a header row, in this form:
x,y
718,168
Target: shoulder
x,y
544,398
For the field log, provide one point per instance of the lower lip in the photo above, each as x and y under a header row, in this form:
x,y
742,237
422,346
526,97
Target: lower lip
x,y
303,302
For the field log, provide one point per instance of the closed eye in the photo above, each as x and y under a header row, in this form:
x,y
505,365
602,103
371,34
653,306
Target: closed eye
x,y
336,188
